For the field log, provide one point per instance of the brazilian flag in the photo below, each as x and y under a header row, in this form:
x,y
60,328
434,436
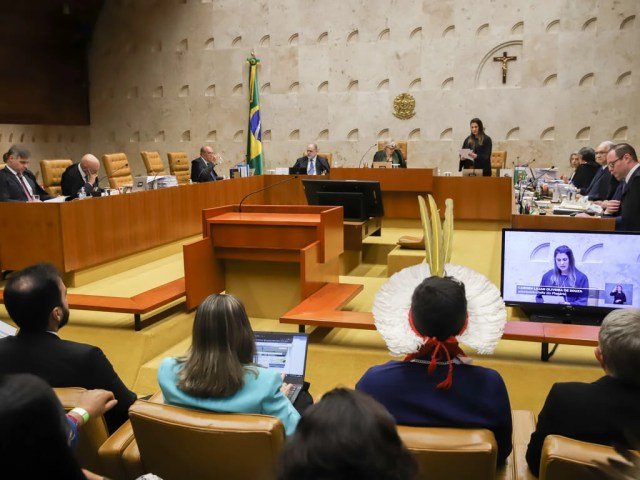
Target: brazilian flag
x,y
254,138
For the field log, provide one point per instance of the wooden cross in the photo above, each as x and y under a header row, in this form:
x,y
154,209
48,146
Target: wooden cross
x,y
504,59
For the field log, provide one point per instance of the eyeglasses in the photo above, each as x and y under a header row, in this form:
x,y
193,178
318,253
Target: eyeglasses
x,y
601,152
611,164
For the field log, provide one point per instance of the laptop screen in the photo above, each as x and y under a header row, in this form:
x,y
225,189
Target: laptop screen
x,y
283,352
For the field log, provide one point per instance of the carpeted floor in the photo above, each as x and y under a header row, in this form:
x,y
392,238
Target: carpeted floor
x,y
337,357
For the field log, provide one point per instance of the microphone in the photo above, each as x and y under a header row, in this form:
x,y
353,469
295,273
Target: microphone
x,y
121,167
263,189
365,154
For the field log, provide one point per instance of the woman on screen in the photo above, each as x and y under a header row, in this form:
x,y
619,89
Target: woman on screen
x,y
218,372
565,276
619,298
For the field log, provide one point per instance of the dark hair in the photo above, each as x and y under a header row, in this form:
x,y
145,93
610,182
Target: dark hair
x,y
480,137
588,154
623,149
346,435
33,431
222,344
439,307
17,151
31,294
555,278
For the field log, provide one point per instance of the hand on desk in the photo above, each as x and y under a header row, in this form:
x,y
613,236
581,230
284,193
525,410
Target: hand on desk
x,y
611,207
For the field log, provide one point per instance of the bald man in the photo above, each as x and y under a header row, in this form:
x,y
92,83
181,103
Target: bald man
x,y
82,175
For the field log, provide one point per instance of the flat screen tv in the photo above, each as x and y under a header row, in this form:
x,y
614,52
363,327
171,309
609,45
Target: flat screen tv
x,y
361,199
570,276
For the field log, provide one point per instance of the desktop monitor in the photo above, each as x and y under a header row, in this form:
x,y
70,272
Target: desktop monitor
x,y
361,199
570,276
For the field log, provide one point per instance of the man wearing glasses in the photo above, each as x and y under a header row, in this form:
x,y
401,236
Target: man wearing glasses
x,y
622,162
603,185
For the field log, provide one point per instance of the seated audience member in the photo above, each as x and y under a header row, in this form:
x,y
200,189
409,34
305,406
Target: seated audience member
x,y
587,168
36,299
34,436
17,182
422,390
218,372
391,155
574,163
83,175
312,164
347,435
604,411
203,167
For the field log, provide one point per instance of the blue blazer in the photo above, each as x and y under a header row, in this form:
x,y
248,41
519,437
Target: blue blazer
x,y
259,394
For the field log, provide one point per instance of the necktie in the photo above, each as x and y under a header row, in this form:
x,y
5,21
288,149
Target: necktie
x,y
24,187
312,168
623,186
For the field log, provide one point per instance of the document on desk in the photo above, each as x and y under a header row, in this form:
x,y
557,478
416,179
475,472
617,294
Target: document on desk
x,y
58,199
465,153
7,330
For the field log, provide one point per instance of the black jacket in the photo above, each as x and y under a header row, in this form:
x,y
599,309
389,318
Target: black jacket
x,y
584,174
483,152
322,165
63,363
201,171
72,182
629,218
12,191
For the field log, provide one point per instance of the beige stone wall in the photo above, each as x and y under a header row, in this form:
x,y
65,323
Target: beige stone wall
x,y
171,75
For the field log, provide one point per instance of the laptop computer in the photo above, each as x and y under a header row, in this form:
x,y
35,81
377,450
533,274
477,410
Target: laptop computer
x,y
285,353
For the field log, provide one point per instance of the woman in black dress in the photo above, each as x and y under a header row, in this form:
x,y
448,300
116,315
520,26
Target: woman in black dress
x,y
480,146
619,298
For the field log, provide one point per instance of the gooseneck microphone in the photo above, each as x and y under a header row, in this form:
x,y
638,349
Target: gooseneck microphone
x,y
263,189
121,167
365,154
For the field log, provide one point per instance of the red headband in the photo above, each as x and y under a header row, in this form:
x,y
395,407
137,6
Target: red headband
x,y
449,347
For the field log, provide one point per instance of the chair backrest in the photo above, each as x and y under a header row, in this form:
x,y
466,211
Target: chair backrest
x,y
2,165
179,166
327,155
178,443
118,170
445,453
498,160
52,171
566,459
402,146
153,163
91,436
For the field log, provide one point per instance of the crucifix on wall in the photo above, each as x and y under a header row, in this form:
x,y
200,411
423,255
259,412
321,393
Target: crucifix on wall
x,y
504,59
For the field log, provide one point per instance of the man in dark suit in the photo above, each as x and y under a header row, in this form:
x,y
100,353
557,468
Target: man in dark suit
x,y
607,410
81,175
17,183
622,161
36,299
312,164
603,185
587,168
203,167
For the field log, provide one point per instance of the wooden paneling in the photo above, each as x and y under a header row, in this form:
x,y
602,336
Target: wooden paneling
x,y
475,198
562,222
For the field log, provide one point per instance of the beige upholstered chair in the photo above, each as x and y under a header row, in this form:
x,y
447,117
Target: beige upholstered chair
x,y
177,443
567,459
153,163
91,436
2,165
402,146
498,161
445,453
118,170
52,171
179,166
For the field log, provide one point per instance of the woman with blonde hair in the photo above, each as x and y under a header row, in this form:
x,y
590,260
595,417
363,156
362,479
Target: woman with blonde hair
x,y
218,372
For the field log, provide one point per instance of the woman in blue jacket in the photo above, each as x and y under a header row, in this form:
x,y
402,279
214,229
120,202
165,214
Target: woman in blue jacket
x,y
570,282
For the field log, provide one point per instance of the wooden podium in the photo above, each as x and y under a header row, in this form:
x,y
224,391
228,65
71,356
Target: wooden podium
x,y
270,256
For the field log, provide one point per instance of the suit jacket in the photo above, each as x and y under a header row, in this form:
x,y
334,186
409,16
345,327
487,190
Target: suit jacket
x,y
483,152
584,174
63,363
629,218
381,156
198,166
478,398
11,190
73,181
593,189
322,165
599,412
